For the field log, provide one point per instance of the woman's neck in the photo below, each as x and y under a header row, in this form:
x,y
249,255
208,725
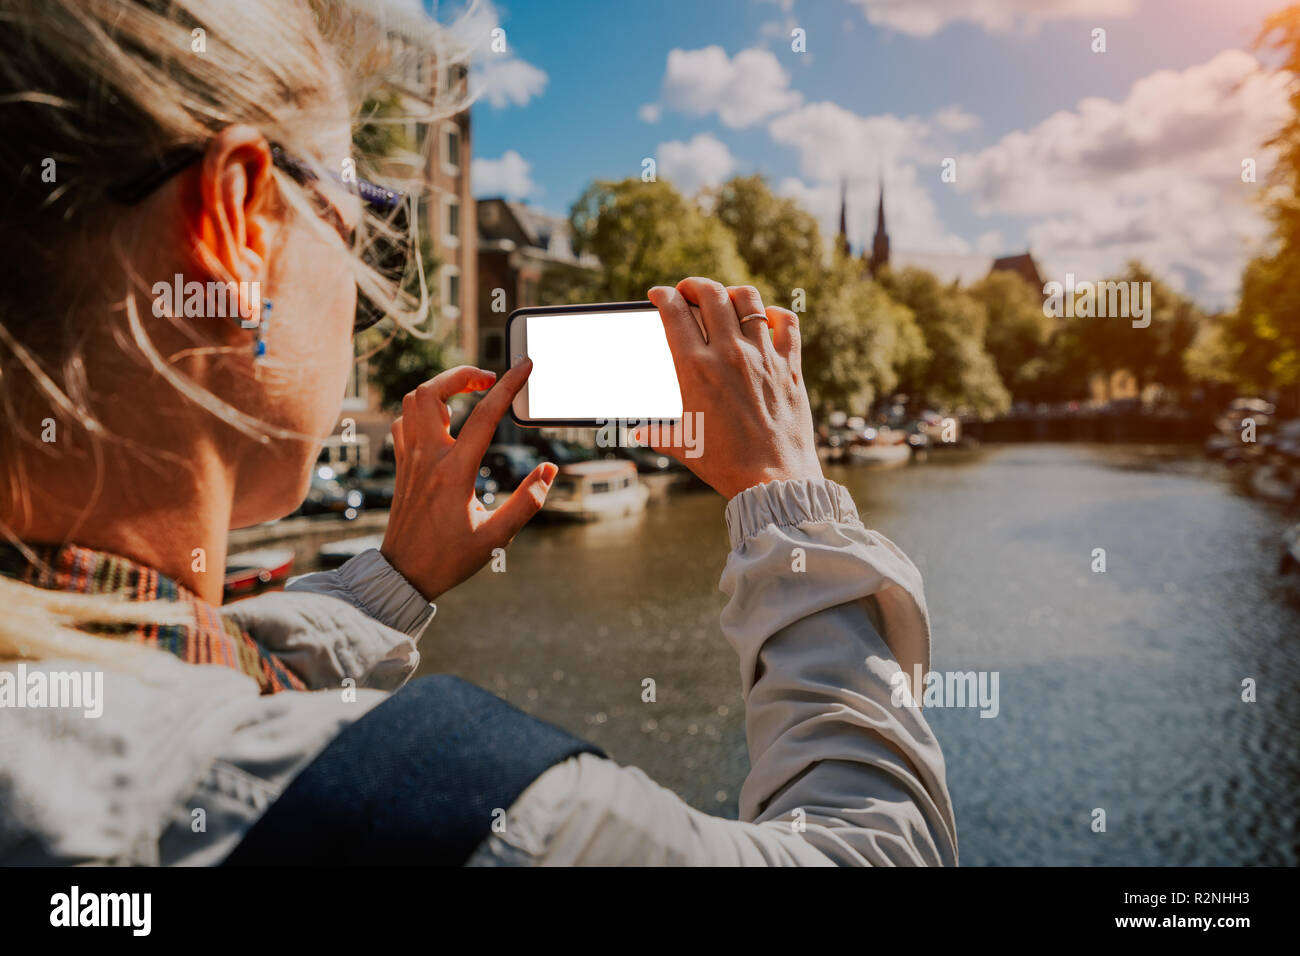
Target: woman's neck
x,y
173,519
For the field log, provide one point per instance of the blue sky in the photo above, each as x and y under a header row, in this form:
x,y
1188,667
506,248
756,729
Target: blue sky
x,y
1087,158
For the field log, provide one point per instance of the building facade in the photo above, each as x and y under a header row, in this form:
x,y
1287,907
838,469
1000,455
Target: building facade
x,y
448,213
444,216
517,246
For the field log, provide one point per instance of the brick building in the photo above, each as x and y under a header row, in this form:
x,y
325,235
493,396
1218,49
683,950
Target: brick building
x,y
445,216
517,245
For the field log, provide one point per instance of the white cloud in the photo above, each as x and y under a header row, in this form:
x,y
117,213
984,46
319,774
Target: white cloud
x,y
502,78
509,176
991,243
1155,177
956,120
704,161
742,90
833,141
507,81
650,112
926,17
836,145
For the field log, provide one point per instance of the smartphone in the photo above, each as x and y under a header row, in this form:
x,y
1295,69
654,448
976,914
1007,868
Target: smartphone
x,y
593,364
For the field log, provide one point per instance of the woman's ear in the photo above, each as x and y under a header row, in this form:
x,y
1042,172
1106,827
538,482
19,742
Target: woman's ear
x,y
234,217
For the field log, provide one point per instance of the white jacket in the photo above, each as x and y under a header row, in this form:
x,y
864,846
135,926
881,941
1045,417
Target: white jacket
x,y
186,758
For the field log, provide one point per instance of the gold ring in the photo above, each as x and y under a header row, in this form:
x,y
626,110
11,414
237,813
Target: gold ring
x,y
753,315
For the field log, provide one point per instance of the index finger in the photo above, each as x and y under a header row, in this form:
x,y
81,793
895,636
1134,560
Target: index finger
x,y
455,381
685,334
477,432
427,419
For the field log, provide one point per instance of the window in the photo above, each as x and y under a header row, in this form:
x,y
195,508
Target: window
x,y
456,73
451,221
451,292
451,148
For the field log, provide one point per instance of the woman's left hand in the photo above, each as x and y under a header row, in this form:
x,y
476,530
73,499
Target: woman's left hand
x,y
439,533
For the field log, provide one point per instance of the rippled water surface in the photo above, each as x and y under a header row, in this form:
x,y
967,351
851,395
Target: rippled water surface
x,y
1119,691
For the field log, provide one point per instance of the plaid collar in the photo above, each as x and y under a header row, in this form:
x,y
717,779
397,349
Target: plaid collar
x,y
210,639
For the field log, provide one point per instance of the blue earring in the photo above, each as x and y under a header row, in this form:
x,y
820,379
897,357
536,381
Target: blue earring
x,y
259,346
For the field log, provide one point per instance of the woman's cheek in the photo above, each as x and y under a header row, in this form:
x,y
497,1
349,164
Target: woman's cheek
x,y
347,318
344,357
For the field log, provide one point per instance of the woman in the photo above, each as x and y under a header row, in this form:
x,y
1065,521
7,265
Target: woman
x,y
138,433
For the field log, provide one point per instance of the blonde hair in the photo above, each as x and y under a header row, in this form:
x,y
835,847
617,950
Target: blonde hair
x,y
93,90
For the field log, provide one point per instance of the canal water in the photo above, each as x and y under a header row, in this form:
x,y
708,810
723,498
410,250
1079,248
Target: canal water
x,y
1119,691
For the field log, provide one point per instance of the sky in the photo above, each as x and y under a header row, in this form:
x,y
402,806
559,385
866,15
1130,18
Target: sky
x,y
1087,158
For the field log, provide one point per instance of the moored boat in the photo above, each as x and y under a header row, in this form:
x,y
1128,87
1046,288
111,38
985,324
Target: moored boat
x,y
882,447
880,456
595,490
248,570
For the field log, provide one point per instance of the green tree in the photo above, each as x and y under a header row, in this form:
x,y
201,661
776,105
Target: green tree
x,y
779,242
956,372
400,361
1210,359
406,362
1155,353
563,284
1017,333
376,135
1176,322
1260,340
648,234
854,340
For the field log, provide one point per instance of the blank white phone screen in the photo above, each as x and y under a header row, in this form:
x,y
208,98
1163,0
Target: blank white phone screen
x,y
601,365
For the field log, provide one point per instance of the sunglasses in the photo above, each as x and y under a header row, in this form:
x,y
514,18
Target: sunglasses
x,y
387,253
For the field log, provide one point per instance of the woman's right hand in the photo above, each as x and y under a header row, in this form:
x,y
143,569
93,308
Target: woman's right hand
x,y
754,423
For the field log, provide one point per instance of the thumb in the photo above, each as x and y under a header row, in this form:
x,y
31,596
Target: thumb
x,y
524,502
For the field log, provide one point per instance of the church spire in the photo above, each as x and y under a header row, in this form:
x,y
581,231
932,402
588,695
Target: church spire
x,y
880,244
843,239
880,210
